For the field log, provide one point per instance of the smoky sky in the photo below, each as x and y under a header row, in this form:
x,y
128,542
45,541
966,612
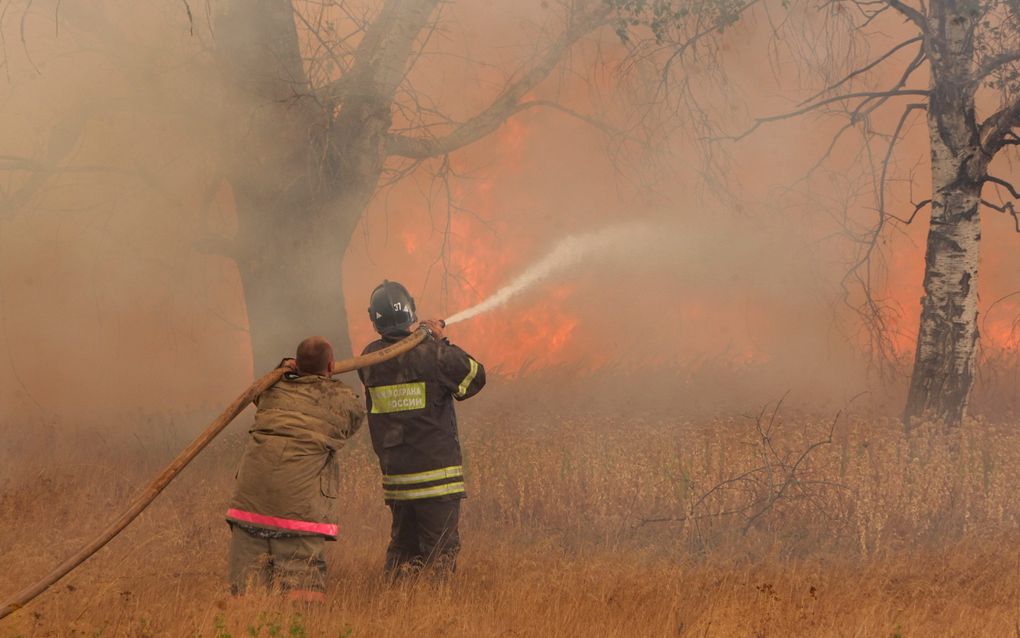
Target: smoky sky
x,y
114,297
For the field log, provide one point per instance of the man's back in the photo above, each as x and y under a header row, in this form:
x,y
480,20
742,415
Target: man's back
x,y
283,511
414,432
289,470
411,414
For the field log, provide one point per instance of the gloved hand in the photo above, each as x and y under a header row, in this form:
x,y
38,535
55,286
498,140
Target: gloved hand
x,y
435,326
288,362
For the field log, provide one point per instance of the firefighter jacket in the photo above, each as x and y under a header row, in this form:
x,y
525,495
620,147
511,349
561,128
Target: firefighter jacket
x,y
412,420
289,474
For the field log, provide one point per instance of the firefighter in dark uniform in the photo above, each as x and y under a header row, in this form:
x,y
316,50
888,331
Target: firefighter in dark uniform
x,y
414,433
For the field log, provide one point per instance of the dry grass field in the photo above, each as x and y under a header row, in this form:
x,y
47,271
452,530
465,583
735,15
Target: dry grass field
x,y
766,525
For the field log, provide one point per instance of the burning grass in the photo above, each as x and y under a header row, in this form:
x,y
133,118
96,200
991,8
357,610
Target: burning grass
x,y
773,524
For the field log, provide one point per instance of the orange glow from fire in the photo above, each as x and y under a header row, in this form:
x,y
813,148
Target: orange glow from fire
x,y
410,242
543,176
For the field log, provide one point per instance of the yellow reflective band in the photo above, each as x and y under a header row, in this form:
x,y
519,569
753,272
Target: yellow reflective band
x,y
466,383
453,471
387,399
425,492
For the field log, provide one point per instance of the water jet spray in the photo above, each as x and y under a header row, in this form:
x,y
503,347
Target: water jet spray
x,y
565,254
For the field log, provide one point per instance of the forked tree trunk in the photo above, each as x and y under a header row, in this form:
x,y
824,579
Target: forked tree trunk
x,y
270,136
943,373
302,171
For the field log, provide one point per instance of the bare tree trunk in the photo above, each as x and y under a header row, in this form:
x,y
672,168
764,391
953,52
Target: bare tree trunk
x,y
943,373
304,166
291,272
301,176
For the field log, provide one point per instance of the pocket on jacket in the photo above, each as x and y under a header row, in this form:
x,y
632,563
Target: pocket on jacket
x,y
329,480
393,436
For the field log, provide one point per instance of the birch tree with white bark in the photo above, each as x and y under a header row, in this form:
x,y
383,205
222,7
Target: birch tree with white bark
x,y
970,52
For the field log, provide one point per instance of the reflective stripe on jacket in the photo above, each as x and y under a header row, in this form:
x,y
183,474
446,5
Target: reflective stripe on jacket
x,y
412,420
289,474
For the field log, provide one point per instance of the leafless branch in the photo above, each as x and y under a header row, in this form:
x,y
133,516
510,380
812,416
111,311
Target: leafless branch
x,y
911,14
888,159
996,129
696,38
1007,185
605,127
335,89
24,41
864,69
1008,207
791,474
779,477
861,111
993,64
838,98
191,17
505,105
918,207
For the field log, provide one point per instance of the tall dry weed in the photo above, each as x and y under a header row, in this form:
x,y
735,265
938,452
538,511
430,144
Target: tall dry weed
x,y
778,523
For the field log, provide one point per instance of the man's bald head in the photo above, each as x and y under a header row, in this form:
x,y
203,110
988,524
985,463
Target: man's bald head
x,y
314,356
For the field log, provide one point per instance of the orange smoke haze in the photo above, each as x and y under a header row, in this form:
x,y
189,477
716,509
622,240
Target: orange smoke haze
x,y
113,296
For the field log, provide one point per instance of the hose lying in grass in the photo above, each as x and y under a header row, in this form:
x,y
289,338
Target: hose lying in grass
x,y
170,473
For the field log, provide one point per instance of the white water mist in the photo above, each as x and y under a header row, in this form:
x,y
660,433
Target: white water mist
x,y
612,241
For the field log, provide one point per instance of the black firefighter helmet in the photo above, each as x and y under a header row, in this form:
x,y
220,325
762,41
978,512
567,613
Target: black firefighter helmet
x,y
391,308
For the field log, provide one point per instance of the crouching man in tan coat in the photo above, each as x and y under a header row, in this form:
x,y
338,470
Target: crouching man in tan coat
x,y
283,506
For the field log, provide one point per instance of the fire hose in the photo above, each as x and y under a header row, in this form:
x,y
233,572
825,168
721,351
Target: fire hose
x,y
145,498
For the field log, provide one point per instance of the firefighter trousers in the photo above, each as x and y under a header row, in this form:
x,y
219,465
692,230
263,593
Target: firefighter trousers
x,y
423,534
290,562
